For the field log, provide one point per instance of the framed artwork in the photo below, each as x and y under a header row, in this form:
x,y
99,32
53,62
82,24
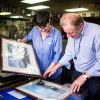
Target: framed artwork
x,y
46,91
19,58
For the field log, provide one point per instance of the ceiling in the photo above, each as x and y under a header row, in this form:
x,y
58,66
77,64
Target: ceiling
x,y
55,5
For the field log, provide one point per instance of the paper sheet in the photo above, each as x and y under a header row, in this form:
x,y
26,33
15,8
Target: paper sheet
x,y
16,94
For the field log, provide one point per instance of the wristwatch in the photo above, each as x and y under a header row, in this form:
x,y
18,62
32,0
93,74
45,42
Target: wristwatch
x,y
85,76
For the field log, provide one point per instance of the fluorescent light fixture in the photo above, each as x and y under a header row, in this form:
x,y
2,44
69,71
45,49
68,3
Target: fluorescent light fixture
x,y
38,7
33,1
76,9
5,13
16,17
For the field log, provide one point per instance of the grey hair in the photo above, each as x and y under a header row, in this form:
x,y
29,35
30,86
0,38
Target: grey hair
x,y
71,18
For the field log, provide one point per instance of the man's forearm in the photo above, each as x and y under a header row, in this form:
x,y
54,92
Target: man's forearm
x,y
58,65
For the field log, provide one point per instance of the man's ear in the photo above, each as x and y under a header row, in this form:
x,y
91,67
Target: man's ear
x,y
81,25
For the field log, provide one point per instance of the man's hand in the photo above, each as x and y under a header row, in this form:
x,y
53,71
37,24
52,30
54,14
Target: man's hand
x,y
78,83
21,40
50,71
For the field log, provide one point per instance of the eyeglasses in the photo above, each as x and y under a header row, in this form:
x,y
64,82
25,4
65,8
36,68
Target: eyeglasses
x,y
45,28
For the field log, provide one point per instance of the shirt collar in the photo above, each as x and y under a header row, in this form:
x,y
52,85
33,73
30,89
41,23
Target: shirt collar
x,y
84,27
51,31
83,30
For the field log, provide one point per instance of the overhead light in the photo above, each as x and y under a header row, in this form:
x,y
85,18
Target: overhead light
x,y
38,7
33,1
76,9
5,13
16,17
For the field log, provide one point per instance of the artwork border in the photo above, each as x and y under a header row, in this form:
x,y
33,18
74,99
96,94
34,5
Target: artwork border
x,y
34,91
32,68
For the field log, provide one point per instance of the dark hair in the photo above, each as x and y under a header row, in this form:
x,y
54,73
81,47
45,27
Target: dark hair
x,y
42,18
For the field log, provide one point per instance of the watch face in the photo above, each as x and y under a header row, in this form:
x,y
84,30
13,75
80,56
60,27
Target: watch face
x,y
85,76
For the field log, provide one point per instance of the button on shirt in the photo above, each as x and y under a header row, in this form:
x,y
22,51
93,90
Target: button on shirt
x,y
48,50
88,54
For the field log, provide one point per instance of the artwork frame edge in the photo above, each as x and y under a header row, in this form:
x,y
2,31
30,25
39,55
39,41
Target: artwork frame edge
x,y
19,88
4,68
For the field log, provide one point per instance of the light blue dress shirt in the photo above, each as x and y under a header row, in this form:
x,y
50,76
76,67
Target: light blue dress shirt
x,y
87,50
48,50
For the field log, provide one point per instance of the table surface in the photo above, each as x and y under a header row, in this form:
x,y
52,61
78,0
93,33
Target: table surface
x,y
7,96
14,81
